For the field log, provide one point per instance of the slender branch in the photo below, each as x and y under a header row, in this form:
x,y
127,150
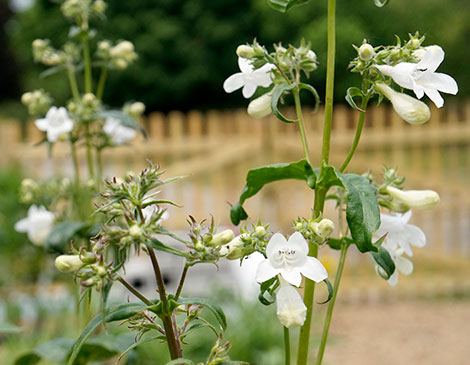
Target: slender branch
x,y
298,110
76,166
99,169
101,82
329,313
287,346
73,83
357,136
134,291
180,285
87,64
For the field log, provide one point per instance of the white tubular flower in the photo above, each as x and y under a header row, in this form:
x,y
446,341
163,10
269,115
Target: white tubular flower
x,y
290,308
402,264
248,78
118,133
400,233
222,238
419,199
37,225
260,107
409,109
422,78
68,263
290,259
55,123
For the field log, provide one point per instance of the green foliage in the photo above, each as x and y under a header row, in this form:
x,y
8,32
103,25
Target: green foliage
x,y
212,306
384,260
257,178
186,49
62,234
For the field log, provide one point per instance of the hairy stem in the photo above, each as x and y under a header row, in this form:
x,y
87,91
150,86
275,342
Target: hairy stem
x,y
357,136
329,313
134,291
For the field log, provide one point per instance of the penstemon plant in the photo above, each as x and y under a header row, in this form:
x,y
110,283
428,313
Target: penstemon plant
x,y
95,227
386,237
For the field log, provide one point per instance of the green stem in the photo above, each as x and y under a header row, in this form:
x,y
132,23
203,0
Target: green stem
x,y
320,194
329,313
287,346
134,291
73,83
76,166
357,136
330,78
304,335
99,168
300,120
89,153
87,64
180,285
101,82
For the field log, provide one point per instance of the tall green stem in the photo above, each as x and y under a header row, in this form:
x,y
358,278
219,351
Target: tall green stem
x,y
329,313
287,346
87,64
134,291
101,82
357,136
300,121
304,337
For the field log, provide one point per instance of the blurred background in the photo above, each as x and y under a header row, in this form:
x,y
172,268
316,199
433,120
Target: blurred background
x,y
186,50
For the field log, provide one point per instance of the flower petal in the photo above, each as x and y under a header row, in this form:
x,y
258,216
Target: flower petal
x,y
292,276
439,81
404,265
297,242
434,95
42,124
276,243
393,279
265,271
432,59
234,82
415,235
249,89
245,65
22,225
314,270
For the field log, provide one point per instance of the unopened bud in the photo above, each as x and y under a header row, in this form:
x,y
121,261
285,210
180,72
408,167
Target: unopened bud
x,y
260,107
27,98
68,263
137,108
89,98
222,238
366,52
419,199
245,51
325,227
122,49
135,231
260,231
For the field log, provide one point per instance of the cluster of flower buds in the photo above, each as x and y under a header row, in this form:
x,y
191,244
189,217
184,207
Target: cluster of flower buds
x,y
119,56
315,230
246,243
81,10
44,192
38,102
43,52
219,353
85,108
392,196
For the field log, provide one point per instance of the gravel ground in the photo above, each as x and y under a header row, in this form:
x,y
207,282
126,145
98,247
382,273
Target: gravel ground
x,y
395,333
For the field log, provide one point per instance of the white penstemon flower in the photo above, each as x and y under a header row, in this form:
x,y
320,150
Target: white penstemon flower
x,y
290,308
419,199
248,78
421,77
290,259
400,234
118,133
55,123
37,225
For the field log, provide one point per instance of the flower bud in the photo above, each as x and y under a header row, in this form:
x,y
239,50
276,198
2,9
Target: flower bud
x,y
232,250
122,49
366,52
137,108
312,56
89,98
135,231
260,231
411,110
325,227
99,6
290,308
419,199
245,51
222,238
260,107
104,46
299,226
68,263
27,98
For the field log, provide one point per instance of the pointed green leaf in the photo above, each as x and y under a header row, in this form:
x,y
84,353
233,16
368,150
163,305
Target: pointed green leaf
x,y
277,93
330,291
284,5
313,91
384,260
159,245
258,177
213,307
351,93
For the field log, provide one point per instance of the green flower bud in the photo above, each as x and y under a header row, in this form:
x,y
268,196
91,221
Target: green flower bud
x,y
221,238
260,231
419,199
68,263
245,51
135,231
324,228
137,108
366,52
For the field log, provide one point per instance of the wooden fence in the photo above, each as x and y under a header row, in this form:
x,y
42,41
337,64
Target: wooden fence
x,y
215,149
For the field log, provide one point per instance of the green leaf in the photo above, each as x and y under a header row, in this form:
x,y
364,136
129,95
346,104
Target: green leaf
x,y
158,245
62,234
337,243
134,345
125,119
180,362
257,178
213,307
268,286
383,259
362,210
277,93
351,93
381,3
330,291
116,313
7,328
313,91
285,5
328,176
55,351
